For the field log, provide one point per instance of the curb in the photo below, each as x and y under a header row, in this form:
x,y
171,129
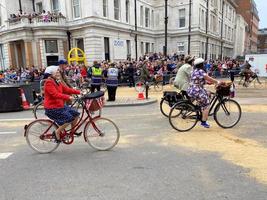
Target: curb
x,y
141,103
147,102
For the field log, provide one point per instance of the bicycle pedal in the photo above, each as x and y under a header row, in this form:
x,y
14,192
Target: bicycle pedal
x,y
78,134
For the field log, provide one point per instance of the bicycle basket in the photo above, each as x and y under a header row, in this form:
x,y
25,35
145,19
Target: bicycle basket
x,y
223,90
172,97
95,104
159,78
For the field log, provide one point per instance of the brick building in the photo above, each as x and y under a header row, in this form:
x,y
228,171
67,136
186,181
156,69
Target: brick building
x,y
262,41
248,9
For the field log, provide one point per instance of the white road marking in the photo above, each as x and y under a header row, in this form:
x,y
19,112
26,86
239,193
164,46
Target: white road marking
x,y
14,120
5,155
7,133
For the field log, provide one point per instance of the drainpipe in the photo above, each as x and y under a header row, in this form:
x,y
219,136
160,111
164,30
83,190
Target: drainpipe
x,y
20,7
207,26
135,38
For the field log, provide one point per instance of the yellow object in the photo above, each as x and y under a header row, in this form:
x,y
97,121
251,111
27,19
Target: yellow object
x,y
76,55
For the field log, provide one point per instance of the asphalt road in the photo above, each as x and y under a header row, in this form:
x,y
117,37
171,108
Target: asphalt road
x,y
151,161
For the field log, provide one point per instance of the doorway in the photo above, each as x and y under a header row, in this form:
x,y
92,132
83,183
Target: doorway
x,y
107,49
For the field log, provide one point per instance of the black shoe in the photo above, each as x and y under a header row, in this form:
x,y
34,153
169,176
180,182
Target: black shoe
x,y
78,134
55,137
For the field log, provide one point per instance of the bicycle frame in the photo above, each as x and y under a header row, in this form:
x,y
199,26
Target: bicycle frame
x,y
87,119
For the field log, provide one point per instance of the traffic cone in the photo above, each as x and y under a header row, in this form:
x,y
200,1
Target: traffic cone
x,y
25,104
140,96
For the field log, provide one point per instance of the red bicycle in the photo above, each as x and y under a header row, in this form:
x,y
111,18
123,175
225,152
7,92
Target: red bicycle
x,y
100,133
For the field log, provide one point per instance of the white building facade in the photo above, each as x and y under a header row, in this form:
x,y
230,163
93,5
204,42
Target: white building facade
x,y
105,29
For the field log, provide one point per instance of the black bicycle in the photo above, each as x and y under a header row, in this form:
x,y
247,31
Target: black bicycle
x,y
226,112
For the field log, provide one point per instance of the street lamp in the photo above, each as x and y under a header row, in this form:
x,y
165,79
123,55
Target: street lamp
x,y
166,28
189,28
135,38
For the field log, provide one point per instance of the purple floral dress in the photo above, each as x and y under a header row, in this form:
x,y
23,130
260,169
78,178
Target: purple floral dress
x,y
196,90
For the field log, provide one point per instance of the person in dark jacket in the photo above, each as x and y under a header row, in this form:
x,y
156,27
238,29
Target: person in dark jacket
x,y
131,72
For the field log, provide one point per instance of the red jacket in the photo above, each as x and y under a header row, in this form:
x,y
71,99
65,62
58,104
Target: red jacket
x,y
55,94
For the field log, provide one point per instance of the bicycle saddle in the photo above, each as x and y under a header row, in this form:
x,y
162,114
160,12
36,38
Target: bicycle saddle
x,y
94,95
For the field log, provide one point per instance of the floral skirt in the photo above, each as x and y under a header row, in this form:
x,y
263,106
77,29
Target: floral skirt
x,y
62,115
200,95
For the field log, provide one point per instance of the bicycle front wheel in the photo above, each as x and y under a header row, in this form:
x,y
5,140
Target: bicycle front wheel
x,y
39,136
183,116
227,113
39,112
102,134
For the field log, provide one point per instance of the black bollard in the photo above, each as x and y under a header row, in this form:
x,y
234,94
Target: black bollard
x,y
147,88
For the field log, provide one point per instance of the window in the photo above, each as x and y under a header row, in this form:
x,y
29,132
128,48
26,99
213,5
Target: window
x,y
39,7
76,8
127,5
142,48
181,18
128,43
117,9
147,17
152,48
105,8
141,15
147,47
80,43
2,62
152,18
180,46
51,46
55,5
202,18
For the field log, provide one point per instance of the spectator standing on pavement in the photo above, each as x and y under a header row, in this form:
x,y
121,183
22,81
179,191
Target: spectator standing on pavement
x,y
130,72
96,77
112,81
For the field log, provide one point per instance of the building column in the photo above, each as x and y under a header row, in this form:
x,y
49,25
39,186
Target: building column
x,y
28,53
39,58
65,49
11,54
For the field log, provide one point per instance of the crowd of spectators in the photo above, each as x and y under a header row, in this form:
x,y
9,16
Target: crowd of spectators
x,y
155,63
44,16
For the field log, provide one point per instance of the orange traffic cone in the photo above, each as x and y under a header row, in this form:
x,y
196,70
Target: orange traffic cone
x,y
140,96
25,104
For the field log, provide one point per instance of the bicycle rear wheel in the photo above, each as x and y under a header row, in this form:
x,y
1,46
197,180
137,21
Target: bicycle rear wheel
x,y
165,107
102,134
39,136
183,116
158,86
227,113
39,112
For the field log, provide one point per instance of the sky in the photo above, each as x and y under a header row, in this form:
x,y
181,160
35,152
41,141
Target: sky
x,y
262,8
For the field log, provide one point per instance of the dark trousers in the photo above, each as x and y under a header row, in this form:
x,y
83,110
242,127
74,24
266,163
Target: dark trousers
x,y
131,81
112,93
93,87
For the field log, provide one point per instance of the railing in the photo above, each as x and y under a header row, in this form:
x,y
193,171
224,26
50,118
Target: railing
x,y
25,21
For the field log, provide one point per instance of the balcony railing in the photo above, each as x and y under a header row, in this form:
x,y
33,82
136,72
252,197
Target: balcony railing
x,y
26,21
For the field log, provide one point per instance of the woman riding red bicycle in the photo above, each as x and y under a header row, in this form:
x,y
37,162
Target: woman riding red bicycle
x,y
55,96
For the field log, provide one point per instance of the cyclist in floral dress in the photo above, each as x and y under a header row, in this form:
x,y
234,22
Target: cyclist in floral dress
x,y
196,90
